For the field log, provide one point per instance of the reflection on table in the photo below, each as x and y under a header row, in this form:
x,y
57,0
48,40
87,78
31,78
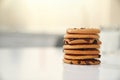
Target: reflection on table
x,y
72,72
38,63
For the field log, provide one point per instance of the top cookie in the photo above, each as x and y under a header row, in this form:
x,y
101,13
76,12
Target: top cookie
x,y
83,30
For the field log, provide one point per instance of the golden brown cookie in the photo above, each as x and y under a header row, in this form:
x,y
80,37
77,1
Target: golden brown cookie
x,y
94,51
80,41
95,36
83,30
82,62
81,56
81,46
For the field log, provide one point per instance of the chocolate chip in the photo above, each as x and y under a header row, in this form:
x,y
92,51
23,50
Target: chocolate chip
x,y
87,39
71,62
79,62
82,28
87,62
87,49
93,61
71,39
95,41
66,42
99,56
75,28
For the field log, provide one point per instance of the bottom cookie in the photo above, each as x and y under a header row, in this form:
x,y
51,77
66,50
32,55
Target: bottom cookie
x,y
83,62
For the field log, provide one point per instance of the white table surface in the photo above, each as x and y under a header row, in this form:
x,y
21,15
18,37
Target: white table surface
x,y
46,64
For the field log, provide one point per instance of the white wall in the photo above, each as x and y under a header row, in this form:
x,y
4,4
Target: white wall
x,y
56,15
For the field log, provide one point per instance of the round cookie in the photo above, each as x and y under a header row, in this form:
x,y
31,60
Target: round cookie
x,y
82,62
81,46
86,56
80,41
82,51
83,30
95,36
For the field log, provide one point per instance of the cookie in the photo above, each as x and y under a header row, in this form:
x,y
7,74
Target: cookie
x,y
81,56
83,30
82,62
80,41
94,51
81,46
95,36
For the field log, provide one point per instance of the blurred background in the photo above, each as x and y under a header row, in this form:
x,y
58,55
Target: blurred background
x,y
31,38
43,22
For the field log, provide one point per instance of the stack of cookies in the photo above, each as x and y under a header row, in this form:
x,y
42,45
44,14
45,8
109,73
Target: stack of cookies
x,y
81,46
